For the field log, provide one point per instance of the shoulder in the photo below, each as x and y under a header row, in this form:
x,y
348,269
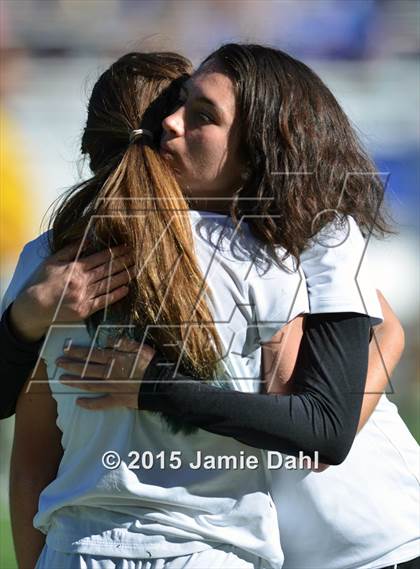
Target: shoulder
x,y
38,249
336,252
340,240
31,257
34,253
337,271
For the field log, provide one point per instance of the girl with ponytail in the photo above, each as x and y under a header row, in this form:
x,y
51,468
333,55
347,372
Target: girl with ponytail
x,y
133,199
130,491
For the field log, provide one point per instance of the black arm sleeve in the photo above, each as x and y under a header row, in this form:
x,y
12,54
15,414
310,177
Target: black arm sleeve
x,y
17,360
321,415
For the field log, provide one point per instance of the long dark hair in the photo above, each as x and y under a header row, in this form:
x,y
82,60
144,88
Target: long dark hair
x,y
133,199
304,161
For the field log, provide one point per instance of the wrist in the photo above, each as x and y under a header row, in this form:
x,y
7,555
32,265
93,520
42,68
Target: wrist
x,y
147,355
25,317
158,375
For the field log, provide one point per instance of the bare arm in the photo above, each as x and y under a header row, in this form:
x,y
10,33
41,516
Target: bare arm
x,y
36,455
87,286
385,351
279,357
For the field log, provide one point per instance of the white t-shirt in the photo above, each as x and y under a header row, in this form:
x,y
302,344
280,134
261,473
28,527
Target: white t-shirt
x,y
364,513
162,512
249,307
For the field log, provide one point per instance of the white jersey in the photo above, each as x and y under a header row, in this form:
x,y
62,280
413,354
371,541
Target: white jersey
x,y
86,509
160,511
364,513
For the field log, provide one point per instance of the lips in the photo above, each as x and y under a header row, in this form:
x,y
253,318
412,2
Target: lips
x,y
164,149
168,155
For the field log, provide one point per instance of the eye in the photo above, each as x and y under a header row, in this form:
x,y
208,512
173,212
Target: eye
x,y
206,118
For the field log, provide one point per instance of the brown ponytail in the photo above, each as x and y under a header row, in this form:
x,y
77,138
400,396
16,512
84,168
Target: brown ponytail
x,y
134,199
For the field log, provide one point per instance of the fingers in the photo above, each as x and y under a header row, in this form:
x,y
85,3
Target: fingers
x,y
90,384
108,402
83,369
95,385
127,345
106,299
120,363
97,403
110,267
94,355
67,253
103,257
112,282
103,356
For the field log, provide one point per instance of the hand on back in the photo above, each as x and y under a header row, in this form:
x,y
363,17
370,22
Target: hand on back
x,y
67,290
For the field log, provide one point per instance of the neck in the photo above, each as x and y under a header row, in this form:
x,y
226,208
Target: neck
x,y
219,205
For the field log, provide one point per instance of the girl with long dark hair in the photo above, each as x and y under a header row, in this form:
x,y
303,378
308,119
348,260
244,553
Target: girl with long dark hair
x,y
196,139
304,168
169,512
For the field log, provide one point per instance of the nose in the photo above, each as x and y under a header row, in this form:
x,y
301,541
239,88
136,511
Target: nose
x,y
174,124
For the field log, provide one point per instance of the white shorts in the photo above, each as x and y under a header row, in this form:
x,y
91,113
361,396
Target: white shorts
x,y
222,557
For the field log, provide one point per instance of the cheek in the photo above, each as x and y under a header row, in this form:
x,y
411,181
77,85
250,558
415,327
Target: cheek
x,y
208,154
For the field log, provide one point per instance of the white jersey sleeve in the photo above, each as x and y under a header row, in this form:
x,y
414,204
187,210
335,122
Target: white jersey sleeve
x,y
277,298
337,272
32,256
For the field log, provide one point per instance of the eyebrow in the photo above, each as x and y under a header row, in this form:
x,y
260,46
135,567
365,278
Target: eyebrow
x,y
184,90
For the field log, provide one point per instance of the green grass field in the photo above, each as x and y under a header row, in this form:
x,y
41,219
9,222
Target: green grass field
x,y
7,554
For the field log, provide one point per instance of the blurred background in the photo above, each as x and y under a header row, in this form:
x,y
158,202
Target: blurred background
x,y
366,51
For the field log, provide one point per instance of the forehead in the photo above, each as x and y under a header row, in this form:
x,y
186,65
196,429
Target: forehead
x,y
211,83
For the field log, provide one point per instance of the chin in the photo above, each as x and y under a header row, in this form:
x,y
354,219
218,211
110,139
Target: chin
x,y
185,186
186,190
